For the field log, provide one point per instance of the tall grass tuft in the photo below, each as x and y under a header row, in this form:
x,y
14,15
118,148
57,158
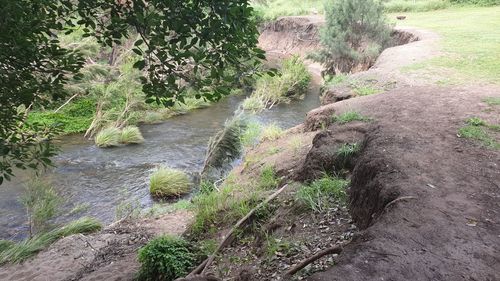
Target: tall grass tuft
x,y
349,116
21,251
131,135
167,182
108,137
291,83
323,193
271,132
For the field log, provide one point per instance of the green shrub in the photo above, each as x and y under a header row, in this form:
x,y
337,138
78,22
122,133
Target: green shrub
x,y
131,135
108,137
354,35
322,194
25,249
166,182
271,132
165,258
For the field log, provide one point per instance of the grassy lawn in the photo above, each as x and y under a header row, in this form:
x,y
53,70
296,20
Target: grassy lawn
x,y
470,42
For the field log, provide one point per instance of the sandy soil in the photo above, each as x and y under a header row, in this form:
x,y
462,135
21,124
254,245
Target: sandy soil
x,y
107,255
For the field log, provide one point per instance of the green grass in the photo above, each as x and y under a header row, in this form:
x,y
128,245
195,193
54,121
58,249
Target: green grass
x,y
75,117
323,193
350,116
290,83
167,182
470,43
346,152
271,132
108,137
366,90
492,101
268,178
477,129
267,10
415,5
251,135
21,251
131,135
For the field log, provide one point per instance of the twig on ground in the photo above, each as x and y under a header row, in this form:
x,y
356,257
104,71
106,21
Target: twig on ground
x,y
398,199
304,263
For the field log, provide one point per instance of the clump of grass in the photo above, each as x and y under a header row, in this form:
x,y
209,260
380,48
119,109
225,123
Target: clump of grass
x,y
108,137
295,143
349,116
323,193
131,135
268,178
492,101
251,134
480,134
167,182
5,245
21,251
271,132
346,152
153,117
476,121
273,150
291,83
365,90
332,80
166,258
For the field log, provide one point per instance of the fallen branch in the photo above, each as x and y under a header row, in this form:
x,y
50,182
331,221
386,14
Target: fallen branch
x,y
70,99
228,238
304,263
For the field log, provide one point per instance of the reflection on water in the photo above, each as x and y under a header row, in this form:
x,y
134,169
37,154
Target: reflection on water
x,y
103,178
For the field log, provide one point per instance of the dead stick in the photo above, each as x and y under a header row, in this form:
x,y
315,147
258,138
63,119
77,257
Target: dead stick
x,y
74,96
228,237
399,199
304,263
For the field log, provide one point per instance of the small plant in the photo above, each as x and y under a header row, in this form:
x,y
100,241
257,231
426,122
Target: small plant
x,y
108,137
321,194
346,152
349,116
41,202
268,179
165,258
131,135
271,132
475,121
251,134
166,182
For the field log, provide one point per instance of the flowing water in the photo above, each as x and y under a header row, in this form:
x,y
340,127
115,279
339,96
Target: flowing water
x,y
98,180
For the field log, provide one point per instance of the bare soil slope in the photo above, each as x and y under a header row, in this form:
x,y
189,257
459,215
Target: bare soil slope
x,y
428,200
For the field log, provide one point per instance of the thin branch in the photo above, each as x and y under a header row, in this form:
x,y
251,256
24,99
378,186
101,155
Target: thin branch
x,y
304,263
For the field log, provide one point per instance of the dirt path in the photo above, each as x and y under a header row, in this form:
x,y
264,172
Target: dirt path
x,y
107,255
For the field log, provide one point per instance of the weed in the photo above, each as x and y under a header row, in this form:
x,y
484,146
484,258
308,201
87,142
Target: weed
x,y
108,137
131,135
271,132
321,194
349,116
25,249
476,121
166,182
268,178
166,258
